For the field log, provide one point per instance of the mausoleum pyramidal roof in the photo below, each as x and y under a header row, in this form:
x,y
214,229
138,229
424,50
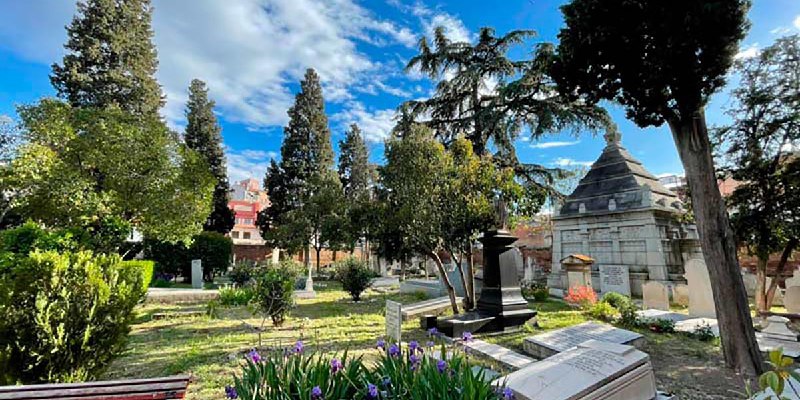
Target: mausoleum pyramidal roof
x,y
618,182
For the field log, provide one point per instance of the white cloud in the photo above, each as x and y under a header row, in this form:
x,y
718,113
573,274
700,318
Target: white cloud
x,y
748,52
781,30
666,174
797,22
430,19
375,124
247,51
568,162
248,164
549,145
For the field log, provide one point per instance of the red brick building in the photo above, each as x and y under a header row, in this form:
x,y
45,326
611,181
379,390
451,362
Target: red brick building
x,y
247,199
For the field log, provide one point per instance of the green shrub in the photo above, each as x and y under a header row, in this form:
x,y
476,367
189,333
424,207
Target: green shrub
x,y
628,311
616,300
355,276
170,258
661,325
214,250
603,311
65,316
534,291
274,289
232,297
30,236
291,374
703,333
146,266
162,283
242,272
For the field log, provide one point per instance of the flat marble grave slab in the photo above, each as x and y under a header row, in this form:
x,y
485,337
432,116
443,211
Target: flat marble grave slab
x,y
683,322
506,357
432,306
550,343
591,371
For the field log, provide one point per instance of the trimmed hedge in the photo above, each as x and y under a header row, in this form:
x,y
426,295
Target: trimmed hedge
x,y
65,315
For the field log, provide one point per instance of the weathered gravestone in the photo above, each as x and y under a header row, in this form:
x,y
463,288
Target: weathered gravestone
x,y
549,343
655,296
680,294
592,370
197,274
791,299
701,298
394,320
615,278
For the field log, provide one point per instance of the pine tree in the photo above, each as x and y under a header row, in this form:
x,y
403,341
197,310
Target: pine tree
x,y
306,162
203,136
111,59
356,175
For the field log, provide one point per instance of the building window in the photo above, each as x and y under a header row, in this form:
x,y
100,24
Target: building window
x,y
235,234
247,235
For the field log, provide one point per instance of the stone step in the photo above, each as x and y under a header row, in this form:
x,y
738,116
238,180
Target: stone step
x,y
505,357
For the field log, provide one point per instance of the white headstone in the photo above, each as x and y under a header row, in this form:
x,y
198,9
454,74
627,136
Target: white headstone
x,y
197,274
701,298
592,370
794,280
615,278
276,255
655,296
680,294
791,299
394,320
546,344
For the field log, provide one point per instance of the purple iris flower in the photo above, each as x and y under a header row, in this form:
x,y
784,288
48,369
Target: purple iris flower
x,y
372,391
414,360
336,365
466,336
381,344
508,394
387,381
254,356
433,332
394,351
298,347
441,365
430,344
316,393
230,392
413,346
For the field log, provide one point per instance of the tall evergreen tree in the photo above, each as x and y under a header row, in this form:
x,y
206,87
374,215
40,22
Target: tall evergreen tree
x,y
111,59
357,176
203,135
305,171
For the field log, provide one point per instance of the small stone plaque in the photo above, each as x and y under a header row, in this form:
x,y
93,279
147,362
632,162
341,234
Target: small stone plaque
x,y
394,320
615,278
549,343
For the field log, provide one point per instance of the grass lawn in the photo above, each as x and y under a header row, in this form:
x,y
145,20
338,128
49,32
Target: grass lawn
x,y
212,348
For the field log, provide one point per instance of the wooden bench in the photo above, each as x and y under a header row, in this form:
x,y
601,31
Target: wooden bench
x,y
171,387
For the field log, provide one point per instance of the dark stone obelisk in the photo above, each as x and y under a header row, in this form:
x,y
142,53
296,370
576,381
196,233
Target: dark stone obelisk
x,y
500,306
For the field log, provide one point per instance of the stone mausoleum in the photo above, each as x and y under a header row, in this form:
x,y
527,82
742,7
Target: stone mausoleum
x,y
624,219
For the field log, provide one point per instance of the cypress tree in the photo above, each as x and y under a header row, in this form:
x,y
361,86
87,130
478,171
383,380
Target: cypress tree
x,y
203,135
111,59
355,171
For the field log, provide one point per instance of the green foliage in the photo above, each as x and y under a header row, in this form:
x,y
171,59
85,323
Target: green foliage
x,y
783,369
660,325
703,333
118,171
356,175
65,316
242,272
111,59
146,266
203,135
535,291
214,250
355,276
603,311
627,308
170,258
274,288
231,297
406,375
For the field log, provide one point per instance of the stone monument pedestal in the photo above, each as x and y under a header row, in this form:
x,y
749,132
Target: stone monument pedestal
x,y
501,306
579,269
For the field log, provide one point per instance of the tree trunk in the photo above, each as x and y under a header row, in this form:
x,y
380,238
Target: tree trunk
x,y
307,257
319,249
761,284
737,335
779,277
449,286
462,274
470,288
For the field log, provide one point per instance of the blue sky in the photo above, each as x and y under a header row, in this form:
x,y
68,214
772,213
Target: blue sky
x,y
253,52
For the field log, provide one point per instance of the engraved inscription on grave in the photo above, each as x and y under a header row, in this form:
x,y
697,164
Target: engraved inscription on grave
x,y
394,320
